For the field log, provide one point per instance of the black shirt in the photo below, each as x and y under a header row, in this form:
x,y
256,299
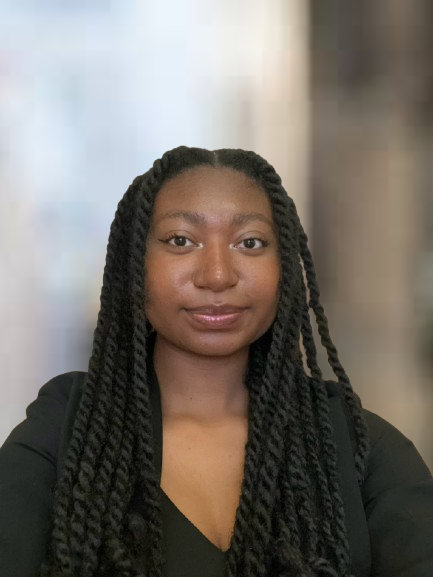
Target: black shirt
x,y
389,521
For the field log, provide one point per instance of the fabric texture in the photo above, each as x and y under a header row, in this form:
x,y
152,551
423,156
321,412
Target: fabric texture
x,y
389,520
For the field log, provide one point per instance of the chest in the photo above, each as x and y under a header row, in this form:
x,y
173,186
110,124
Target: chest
x,y
202,473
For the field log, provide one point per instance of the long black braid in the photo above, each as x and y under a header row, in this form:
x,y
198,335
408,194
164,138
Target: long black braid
x,y
290,519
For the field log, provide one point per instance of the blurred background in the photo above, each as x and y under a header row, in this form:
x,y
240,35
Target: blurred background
x,y
337,95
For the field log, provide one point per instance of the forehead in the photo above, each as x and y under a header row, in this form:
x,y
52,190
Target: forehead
x,y
212,191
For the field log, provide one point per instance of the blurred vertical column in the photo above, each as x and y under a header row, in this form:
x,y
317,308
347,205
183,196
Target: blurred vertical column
x,y
367,79
262,98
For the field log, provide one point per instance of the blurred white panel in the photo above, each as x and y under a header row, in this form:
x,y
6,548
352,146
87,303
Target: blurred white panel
x,y
91,93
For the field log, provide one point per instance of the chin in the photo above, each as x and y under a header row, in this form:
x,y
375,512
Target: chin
x,y
216,347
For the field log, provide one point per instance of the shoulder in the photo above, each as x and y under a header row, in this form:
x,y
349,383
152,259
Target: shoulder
x,y
28,475
383,436
54,399
42,429
57,391
398,499
397,495
393,460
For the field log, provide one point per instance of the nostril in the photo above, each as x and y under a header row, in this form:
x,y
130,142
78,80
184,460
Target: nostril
x,y
216,272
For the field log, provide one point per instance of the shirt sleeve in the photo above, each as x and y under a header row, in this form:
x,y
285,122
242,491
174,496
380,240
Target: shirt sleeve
x,y
28,474
398,501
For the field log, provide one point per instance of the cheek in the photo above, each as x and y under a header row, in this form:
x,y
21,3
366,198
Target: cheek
x,y
154,282
163,282
266,281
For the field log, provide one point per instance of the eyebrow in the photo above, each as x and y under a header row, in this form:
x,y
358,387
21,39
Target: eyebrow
x,y
238,219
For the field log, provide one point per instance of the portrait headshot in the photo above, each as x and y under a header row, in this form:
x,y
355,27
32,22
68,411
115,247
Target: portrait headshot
x,y
203,438
216,266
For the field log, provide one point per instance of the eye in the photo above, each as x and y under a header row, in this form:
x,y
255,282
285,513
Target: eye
x,y
253,243
179,241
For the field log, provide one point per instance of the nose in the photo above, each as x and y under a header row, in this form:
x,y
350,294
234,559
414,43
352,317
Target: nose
x,y
216,269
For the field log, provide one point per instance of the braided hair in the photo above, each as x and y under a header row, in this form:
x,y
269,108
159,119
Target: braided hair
x,y
290,518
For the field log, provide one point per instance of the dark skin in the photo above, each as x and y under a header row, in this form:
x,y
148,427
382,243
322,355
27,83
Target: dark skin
x,y
212,270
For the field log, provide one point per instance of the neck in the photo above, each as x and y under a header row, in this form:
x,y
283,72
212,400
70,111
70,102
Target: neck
x,y
201,387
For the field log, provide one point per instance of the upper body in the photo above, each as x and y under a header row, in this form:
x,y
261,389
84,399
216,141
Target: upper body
x,y
204,294
390,518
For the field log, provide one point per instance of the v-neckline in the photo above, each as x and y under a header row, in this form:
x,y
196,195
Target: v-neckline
x,y
155,398
352,498
175,509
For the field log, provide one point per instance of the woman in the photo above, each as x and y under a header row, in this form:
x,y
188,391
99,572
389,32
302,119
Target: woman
x,y
196,443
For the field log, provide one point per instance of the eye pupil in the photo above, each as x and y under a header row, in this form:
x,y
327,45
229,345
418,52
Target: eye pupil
x,y
180,241
250,243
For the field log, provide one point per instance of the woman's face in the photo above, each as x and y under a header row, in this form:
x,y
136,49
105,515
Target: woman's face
x,y
212,263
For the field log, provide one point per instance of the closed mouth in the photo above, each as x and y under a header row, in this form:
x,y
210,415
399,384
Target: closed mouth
x,y
216,317
216,310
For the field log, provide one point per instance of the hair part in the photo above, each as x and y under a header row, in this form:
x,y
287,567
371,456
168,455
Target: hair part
x,y
290,518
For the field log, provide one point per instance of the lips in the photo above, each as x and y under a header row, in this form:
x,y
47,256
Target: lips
x,y
216,310
216,316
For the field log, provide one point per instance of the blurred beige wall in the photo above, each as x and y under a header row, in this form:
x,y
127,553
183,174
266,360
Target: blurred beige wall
x,y
369,211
